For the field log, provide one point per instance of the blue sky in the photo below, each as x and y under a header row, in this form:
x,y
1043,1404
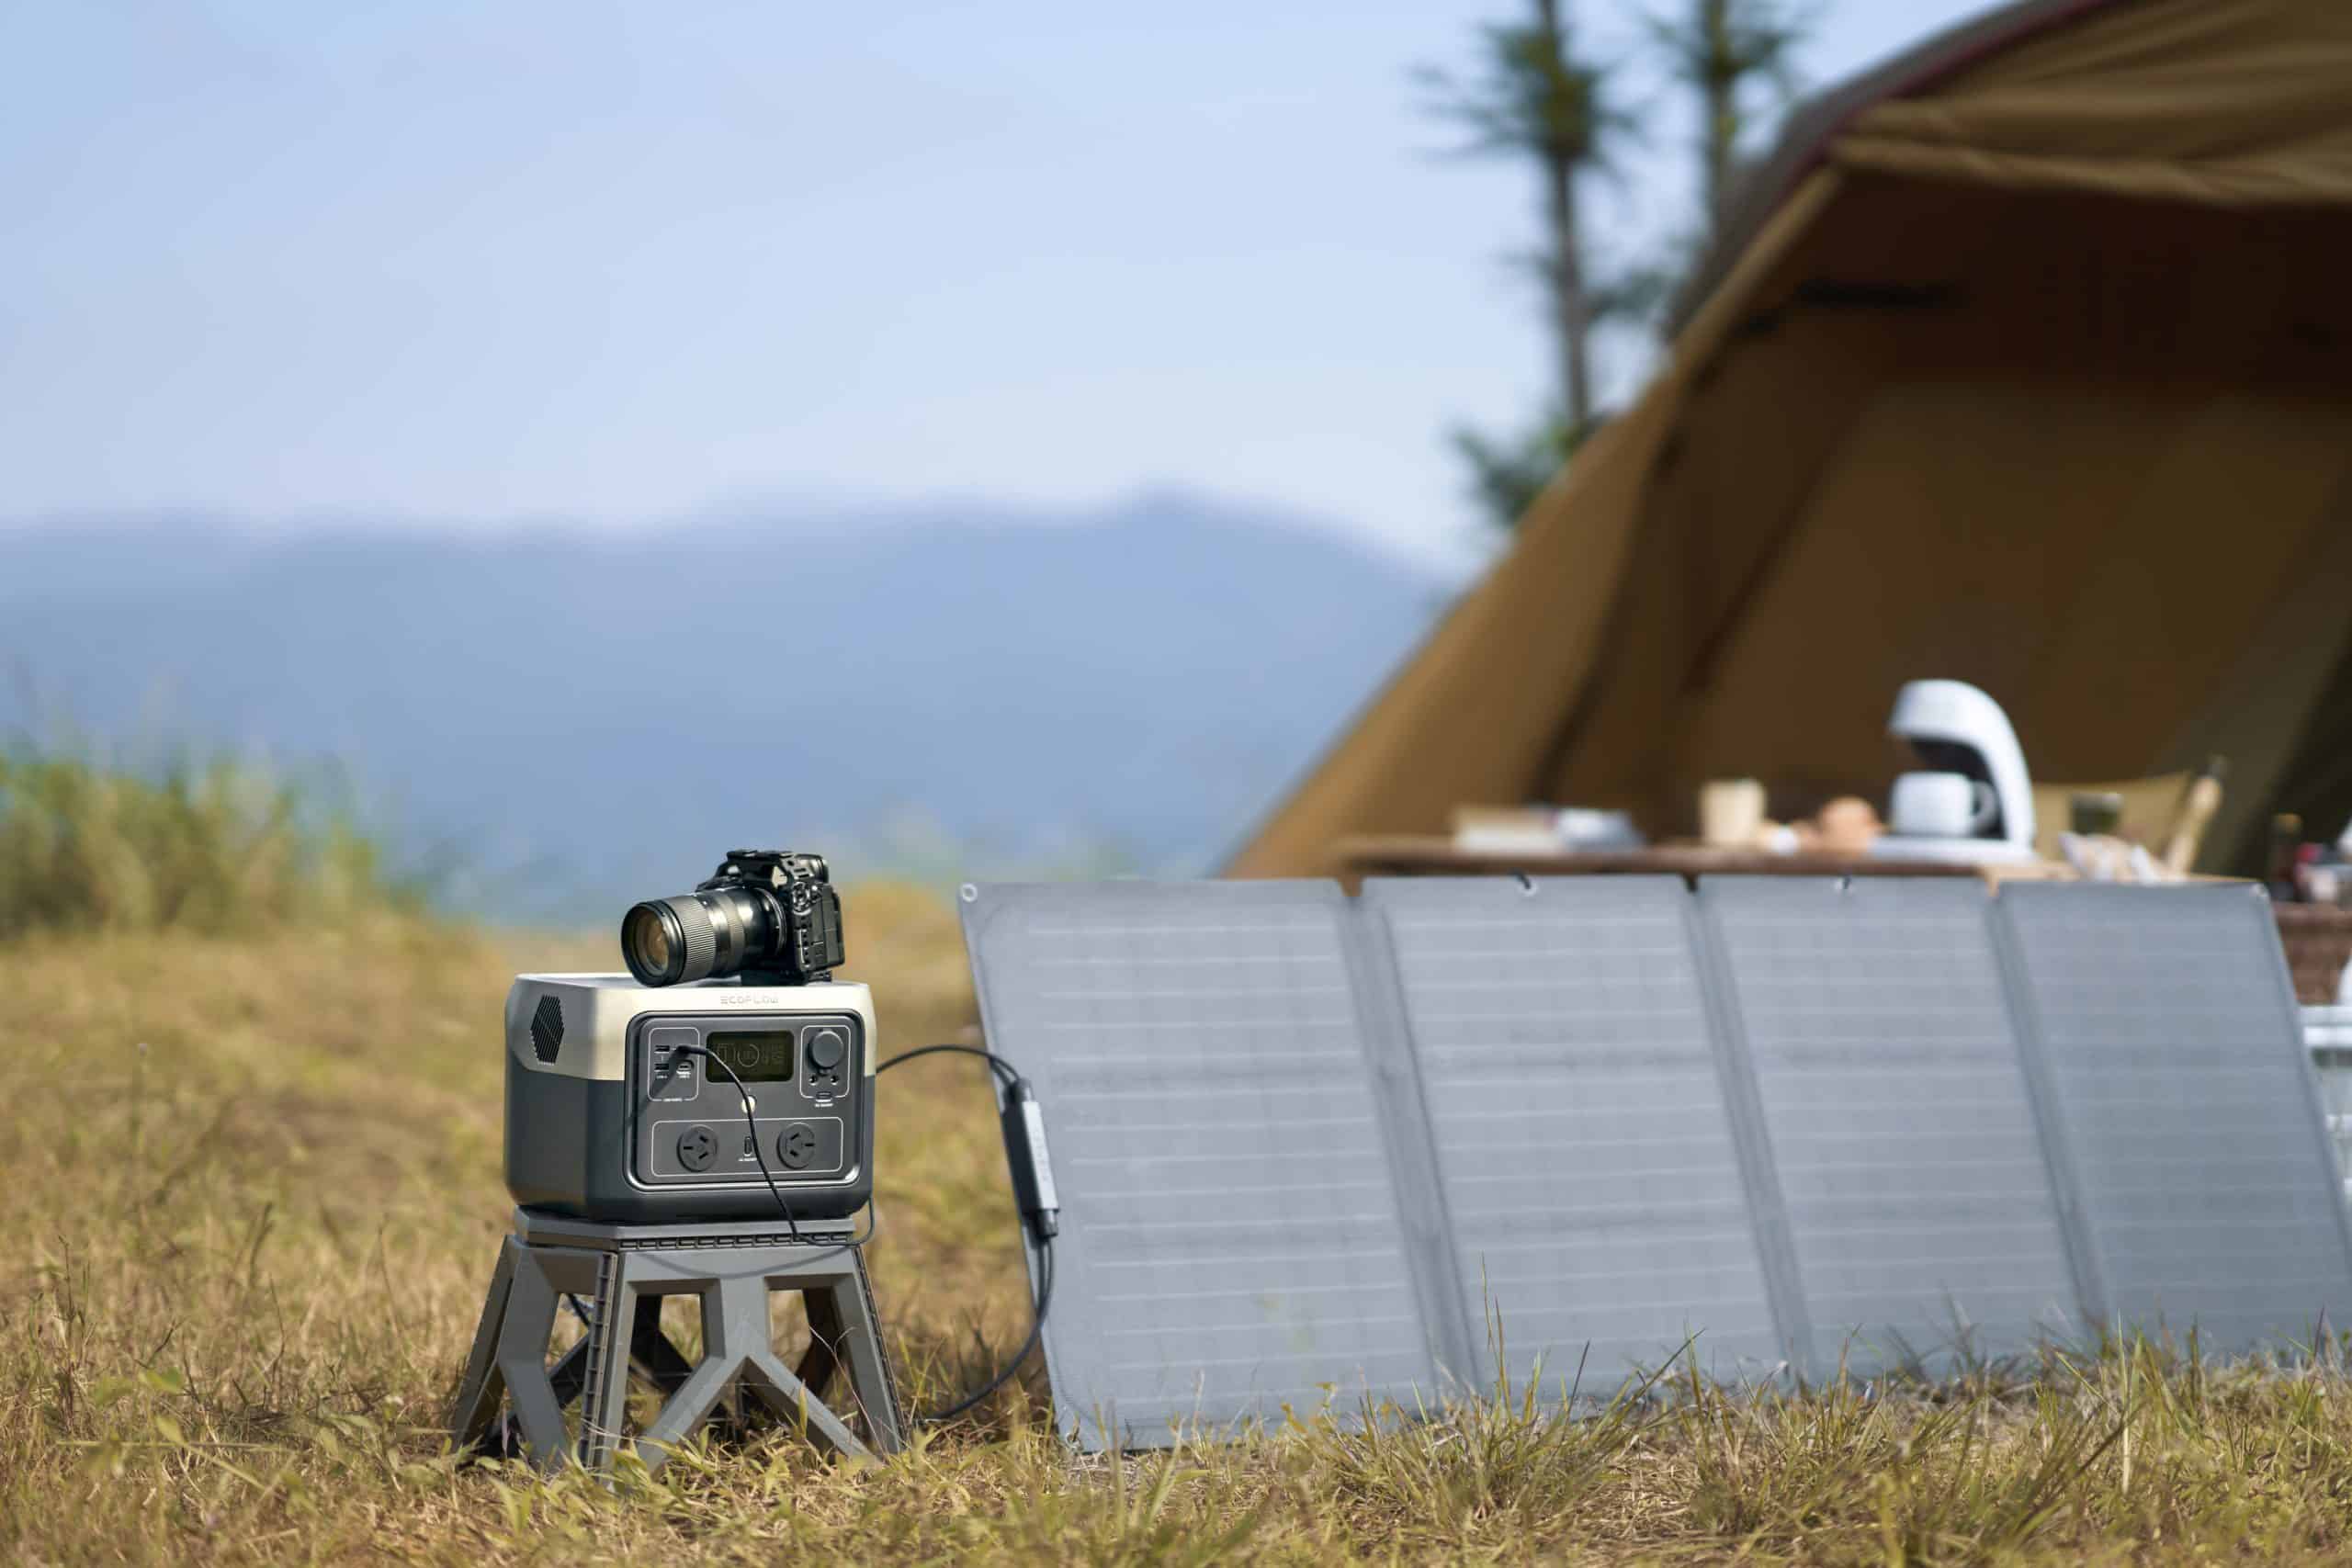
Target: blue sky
x,y
486,262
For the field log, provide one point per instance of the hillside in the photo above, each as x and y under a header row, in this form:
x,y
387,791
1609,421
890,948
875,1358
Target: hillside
x,y
584,715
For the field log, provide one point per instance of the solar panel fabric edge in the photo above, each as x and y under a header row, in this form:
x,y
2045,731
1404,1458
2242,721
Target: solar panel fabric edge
x,y
1232,1240
1585,1126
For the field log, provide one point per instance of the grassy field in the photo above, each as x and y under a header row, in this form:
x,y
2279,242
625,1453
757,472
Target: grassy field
x,y
249,1194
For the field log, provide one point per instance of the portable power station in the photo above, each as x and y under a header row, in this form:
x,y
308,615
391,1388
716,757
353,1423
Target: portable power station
x,y
620,1105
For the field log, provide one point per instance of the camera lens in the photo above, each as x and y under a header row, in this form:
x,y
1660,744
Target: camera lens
x,y
674,942
658,941
650,947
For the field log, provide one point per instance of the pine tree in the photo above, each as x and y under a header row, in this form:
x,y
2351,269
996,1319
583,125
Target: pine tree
x,y
1533,97
1721,49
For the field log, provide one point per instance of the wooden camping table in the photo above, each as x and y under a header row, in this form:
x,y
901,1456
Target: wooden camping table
x,y
1434,856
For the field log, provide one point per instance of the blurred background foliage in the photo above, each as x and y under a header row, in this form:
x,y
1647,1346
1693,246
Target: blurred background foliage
x,y
1534,96
215,845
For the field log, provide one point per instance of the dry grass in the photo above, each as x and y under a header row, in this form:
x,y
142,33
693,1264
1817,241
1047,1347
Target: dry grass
x,y
249,1195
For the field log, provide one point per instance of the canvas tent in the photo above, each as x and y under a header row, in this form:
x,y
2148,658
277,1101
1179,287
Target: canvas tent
x,y
2026,361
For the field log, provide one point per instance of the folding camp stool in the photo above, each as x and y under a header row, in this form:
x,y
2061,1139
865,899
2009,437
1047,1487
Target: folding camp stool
x,y
625,1271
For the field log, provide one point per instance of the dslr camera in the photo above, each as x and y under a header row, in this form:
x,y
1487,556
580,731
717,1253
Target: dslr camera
x,y
768,915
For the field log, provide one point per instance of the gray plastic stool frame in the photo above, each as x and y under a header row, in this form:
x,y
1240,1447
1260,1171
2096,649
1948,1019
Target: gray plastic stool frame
x,y
627,1270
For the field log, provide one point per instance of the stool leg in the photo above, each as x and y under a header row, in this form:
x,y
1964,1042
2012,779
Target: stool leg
x,y
603,1403
789,1397
744,1305
522,1358
702,1388
480,1388
860,1340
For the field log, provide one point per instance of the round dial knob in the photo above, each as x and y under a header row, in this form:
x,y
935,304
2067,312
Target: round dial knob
x,y
827,1047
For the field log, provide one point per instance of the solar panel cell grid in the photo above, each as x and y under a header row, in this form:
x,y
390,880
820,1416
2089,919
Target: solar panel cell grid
x,y
1229,1237
2172,1046
1902,1130
1592,1187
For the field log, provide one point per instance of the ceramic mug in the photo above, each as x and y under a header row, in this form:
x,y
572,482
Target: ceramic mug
x,y
1941,805
1731,812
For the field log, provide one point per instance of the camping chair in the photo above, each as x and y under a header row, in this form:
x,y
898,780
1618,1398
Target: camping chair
x,y
2155,813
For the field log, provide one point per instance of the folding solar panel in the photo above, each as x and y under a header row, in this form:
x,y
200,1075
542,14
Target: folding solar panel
x,y
1310,1150
2169,1037
1901,1128
1593,1191
1231,1241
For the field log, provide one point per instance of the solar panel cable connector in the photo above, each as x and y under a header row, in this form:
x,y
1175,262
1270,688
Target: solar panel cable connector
x,y
1022,1122
1031,1166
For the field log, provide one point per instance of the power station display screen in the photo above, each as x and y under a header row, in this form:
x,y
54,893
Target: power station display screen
x,y
757,1055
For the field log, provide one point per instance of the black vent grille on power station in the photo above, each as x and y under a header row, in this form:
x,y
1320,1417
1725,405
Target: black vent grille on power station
x,y
546,1029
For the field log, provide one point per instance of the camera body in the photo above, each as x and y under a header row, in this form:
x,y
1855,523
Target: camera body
x,y
607,1119
808,912
769,916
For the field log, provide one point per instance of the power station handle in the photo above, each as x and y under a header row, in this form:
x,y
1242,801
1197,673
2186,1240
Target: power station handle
x,y
1025,1156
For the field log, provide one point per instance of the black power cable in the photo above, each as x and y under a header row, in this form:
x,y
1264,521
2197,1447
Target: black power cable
x,y
1004,1373
750,1129
998,1064
1038,1212
1039,1208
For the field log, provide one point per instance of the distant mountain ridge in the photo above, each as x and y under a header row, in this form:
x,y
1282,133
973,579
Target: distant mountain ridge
x,y
611,709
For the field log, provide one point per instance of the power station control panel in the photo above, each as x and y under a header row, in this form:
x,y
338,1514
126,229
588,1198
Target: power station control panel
x,y
690,1077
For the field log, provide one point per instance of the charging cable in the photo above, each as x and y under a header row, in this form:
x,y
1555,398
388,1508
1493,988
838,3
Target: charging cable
x,y
751,1137
1022,1122
1022,1125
